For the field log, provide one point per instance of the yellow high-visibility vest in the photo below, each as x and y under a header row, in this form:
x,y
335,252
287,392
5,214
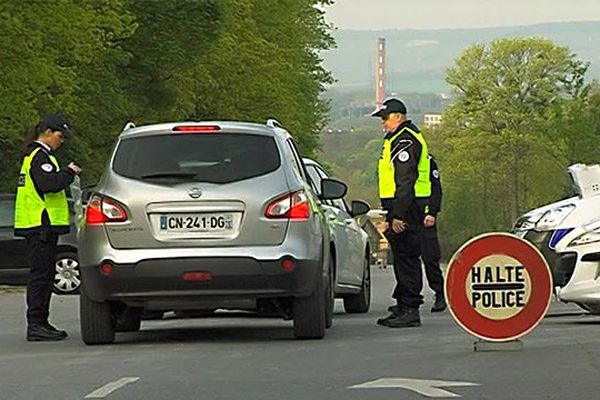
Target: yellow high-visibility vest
x,y
387,183
29,206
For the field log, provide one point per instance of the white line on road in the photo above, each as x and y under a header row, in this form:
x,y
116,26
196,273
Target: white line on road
x,y
111,387
429,388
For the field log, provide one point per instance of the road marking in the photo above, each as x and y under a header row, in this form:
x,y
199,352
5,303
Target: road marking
x,y
428,388
111,387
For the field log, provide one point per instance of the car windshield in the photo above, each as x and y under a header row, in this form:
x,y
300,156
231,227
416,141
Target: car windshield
x,y
7,213
215,158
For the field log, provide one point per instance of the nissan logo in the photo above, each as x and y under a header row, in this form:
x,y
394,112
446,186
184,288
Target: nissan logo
x,y
195,193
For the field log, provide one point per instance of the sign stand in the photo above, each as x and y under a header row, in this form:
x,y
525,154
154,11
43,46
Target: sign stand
x,y
486,345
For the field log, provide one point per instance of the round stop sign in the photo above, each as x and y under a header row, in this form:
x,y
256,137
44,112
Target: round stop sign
x,y
498,287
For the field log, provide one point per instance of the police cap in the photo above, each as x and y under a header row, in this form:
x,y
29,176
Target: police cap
x,y
390,106
55,122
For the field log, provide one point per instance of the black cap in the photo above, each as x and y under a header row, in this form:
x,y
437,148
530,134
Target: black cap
x,y
390,106
55,122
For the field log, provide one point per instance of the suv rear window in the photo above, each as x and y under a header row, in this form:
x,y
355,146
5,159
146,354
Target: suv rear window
x,y
207,157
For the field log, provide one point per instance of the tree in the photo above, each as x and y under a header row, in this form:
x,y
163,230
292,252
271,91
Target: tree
x,y
265,63
520,116
106,62
168,57
57,56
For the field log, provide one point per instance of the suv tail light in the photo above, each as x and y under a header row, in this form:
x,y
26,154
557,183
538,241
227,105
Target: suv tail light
x,y
100,210
292,206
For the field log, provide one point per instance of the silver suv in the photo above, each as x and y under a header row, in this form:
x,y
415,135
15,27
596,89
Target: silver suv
x,y
205,215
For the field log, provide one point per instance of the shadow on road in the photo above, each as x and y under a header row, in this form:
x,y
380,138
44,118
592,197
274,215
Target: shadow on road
x,y
212,334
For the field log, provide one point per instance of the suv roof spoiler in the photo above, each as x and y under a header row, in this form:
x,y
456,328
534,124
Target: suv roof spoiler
x,y
128,126
273,123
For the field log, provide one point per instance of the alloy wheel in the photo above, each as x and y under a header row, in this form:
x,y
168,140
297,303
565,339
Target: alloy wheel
x,y
67,276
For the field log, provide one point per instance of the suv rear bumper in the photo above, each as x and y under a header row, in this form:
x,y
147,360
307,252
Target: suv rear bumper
x,y
162,280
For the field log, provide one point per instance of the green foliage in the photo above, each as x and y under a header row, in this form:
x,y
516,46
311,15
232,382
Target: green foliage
x,y
58,56
266,64
351,156
167,63
106,62
521,114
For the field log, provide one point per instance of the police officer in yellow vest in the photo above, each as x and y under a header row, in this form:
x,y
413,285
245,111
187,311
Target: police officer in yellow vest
x,y
403,172
41,215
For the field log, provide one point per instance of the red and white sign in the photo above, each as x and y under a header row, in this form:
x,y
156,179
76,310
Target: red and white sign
x,y
498,286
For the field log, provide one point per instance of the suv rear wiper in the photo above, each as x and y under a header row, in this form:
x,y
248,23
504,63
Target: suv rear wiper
x,y
174,174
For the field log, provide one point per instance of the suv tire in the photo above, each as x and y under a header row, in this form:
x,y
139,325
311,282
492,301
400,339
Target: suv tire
x,y
97,323
361,302
330,295
309,313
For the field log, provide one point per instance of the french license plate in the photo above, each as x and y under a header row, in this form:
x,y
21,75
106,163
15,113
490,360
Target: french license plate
x,y
196,222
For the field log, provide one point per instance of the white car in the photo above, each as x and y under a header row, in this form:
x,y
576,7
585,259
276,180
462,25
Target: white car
x,y
579,251
352,249
562,232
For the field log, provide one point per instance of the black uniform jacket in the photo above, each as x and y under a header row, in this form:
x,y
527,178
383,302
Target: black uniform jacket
x,y
405,154
46,179
435,201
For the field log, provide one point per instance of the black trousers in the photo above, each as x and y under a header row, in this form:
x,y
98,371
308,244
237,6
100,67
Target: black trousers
x,y
41,247
406,248
431,255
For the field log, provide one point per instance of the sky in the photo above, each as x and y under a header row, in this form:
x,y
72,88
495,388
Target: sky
x,y
442,14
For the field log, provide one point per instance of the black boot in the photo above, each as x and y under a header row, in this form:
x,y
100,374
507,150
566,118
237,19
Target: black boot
x,y
409,317
52,328
41,333
394,309
395,312
440,303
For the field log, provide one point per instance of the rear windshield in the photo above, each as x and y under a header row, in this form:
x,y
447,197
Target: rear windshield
x,y
208,157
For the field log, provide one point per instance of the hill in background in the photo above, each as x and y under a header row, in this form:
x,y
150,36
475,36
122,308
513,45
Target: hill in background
x,y
417,59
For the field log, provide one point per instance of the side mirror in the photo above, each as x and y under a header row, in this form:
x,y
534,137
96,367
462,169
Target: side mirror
x,y
332,189
359,207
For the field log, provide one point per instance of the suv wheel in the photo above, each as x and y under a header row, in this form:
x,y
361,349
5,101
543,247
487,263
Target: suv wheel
x,y
309,313
360,303
97,320
67,278
330,295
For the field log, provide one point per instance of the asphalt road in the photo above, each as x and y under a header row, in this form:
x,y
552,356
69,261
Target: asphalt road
x,y
238,357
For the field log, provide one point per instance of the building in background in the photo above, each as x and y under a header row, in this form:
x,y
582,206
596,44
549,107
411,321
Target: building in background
x,y
430,120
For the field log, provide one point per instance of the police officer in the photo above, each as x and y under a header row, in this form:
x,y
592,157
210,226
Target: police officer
x,y
41,215
403,172
430,246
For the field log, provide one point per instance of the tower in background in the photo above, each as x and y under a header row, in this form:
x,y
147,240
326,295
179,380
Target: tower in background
x,y
380,73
